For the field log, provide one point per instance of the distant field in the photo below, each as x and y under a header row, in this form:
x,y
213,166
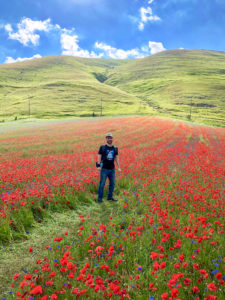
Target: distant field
x,y
185,84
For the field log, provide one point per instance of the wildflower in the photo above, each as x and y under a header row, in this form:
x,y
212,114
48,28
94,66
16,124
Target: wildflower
x,y
195,289
219,275
212,286
57,239
164,296
37,290
15,276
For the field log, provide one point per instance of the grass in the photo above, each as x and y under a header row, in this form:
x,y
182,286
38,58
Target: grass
x,y
16,258
167,84
67,86
172,81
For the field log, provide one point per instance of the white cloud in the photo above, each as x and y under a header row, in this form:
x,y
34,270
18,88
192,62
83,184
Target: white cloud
x,y
19,59
115,53
141,26
147,16
26,31
150,1
8,28
71,47
156,47
111,52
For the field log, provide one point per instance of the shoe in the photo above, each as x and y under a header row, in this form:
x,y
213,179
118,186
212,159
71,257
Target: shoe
x,y
112,199
99,201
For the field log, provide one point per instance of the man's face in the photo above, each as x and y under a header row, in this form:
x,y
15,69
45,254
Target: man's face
x,y
109,140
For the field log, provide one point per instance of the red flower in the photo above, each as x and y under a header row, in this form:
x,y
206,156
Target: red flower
x,y
164,296
195,289
57,239
154,255
162,265
36,291
212,286
219,275
174,293
187,281
15,276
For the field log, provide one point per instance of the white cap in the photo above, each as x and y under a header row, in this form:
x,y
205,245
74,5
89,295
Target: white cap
x,y
109,134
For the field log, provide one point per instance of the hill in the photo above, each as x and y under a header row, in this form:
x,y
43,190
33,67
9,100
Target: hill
x,y
60,86
175,83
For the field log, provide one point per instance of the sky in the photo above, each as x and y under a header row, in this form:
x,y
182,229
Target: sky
x,y
117,29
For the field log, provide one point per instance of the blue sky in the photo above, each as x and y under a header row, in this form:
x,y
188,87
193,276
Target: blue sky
x,y
108,28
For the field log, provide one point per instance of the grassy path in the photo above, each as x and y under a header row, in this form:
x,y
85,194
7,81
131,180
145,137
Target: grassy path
x,y
16,258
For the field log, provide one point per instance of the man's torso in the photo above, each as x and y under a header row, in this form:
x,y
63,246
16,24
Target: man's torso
x,y
108,155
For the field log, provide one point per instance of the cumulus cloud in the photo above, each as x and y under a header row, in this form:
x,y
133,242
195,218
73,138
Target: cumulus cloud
x,y
26,31
147,16
115,53
19,59
71,47
155,47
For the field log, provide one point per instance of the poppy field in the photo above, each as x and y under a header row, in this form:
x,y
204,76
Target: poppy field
x,y
163,239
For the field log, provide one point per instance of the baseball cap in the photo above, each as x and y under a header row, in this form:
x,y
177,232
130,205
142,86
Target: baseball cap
x,y
109,135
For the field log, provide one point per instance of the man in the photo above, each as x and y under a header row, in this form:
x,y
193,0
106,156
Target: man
x,y
105,164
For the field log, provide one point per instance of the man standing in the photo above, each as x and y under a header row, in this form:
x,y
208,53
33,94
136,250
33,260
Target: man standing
x,y
105,164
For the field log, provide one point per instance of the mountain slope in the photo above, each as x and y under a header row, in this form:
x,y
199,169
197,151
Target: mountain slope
x,y
61,86
174,83
174,80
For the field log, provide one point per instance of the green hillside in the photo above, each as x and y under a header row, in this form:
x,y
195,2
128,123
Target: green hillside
x,y
61,86
175,81
172,83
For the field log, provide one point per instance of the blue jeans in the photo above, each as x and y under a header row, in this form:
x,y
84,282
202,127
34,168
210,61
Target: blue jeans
x,y
112,179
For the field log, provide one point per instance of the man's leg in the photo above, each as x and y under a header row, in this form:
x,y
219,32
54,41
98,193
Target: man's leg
x,y
112,181
103,176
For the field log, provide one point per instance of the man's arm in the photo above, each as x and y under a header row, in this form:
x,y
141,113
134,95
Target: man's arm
x,y
99,158
117,162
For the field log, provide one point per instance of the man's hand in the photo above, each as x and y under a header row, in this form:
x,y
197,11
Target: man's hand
x,y
99,168
119,169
